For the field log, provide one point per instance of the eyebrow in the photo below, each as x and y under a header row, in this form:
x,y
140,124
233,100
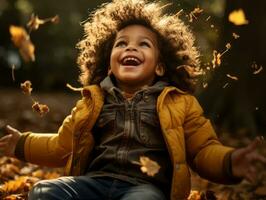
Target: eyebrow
x,y
141,37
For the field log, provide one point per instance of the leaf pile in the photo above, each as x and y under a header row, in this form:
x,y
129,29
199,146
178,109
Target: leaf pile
x,y
17,178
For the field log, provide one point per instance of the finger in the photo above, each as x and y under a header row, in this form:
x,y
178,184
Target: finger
x,y
11,130
253,145
5,138
258,157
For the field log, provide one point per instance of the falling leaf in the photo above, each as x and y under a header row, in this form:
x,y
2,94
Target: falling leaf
x,y
41,109
26,87
195,13
34,22
236,36
21,40
216,59
232,77
228,46
208,18
257,69
148,166
225,85
55,19
205,85
237,17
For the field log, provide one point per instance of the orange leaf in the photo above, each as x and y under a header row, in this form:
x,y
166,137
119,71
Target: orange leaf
x,y
42,109
26,87
21,40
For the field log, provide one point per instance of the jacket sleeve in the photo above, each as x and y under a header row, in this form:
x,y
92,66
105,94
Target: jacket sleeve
x,y
206,155
50,149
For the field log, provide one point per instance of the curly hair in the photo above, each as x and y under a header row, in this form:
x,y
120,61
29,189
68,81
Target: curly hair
x,y
176,42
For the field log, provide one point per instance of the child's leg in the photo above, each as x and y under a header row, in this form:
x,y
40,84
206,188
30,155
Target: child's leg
x,y
143,192
66,188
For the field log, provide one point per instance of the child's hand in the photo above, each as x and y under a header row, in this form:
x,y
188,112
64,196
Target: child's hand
x,y
8,142
243,161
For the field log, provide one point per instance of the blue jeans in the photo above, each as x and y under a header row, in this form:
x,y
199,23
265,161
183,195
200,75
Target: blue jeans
x,y
93,188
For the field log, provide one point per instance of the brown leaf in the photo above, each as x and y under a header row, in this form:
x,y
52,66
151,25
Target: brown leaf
x,y
21,40
41,109
26,87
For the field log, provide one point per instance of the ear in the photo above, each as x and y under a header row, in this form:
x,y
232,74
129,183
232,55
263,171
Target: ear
x,y
160,69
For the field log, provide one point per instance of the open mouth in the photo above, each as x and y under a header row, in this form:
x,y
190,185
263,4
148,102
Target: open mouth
x,y
130,61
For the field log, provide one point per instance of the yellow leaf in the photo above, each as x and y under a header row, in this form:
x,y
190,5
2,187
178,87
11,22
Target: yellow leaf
x,y
237,17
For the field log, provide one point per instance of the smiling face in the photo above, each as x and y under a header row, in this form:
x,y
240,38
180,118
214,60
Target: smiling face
x,y
134,57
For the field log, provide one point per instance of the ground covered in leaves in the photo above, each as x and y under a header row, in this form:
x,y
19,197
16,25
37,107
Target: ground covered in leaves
x,y
17,178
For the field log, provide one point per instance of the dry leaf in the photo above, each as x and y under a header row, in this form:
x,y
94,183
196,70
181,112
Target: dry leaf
x,y
208,18
34,22
237,17
257,69
232,77
21,40
149,166
41,109
195,13
55,19
26,87
216,61
236,36
228,46
225,85
204,85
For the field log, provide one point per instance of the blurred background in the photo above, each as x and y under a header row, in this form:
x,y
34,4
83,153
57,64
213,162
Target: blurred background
x,y
235,106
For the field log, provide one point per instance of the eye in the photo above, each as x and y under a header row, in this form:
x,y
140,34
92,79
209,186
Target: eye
x,y
121,44
145,44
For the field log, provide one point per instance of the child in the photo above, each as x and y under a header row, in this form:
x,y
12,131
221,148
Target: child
x,y
136,102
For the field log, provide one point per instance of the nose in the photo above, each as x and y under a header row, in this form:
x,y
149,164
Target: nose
x,y
131,47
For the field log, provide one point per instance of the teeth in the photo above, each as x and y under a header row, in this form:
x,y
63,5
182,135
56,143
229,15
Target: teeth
x,y
128,59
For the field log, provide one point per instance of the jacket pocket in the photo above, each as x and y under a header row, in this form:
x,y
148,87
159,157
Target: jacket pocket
x,y
149,131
